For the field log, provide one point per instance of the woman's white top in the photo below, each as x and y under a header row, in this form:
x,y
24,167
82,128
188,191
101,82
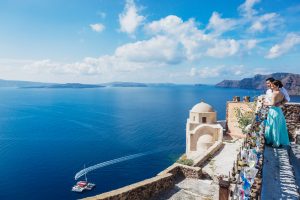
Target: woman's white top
x,y
269,94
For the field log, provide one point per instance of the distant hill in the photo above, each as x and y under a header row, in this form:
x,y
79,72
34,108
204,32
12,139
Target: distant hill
x,y
125,84
290,81
161,84
200,84
29,84
66,85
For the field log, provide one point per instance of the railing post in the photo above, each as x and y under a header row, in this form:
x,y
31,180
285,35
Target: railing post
x,y
224,190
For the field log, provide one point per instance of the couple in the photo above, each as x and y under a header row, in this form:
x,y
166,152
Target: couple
x,y
276,132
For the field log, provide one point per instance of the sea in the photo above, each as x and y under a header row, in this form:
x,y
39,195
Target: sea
x,y
49,135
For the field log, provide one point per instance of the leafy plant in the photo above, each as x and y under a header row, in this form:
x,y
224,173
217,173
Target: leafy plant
x,y
245,117
184,161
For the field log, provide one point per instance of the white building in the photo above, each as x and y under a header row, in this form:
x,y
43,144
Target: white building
x,y
202,130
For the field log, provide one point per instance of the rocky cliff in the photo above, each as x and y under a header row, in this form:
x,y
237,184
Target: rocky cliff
x,y
290,81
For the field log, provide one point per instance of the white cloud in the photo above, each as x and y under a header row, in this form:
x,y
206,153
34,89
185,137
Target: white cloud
x,y
264,22
246,9
171,42
193,72
97,27
257,22
172,25
261,70
250,44
190,39
218,71
103,65
195,43
223,48
209,72
204,72
291,40
159,49
220,25
130,19
257,26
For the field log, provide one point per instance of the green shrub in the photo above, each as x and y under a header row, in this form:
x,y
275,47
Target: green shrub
x,y
185,161
245,117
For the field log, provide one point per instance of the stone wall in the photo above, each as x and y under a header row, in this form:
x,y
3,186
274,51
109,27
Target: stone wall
x,y
191,172
292,115
209,153
233,128
151,187
183,171
141,190
291,111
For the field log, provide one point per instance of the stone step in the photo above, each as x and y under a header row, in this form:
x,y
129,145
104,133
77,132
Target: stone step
x,y
279,180
294,153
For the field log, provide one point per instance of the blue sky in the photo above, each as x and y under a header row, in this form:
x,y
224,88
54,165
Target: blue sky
x,y
180,41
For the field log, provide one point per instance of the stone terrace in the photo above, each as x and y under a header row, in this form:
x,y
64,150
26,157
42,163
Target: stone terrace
x,y
281,172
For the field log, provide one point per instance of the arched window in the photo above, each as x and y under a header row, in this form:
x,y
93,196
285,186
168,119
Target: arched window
x,y
203,119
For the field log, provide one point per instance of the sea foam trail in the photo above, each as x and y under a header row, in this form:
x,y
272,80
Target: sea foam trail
x,y
114,161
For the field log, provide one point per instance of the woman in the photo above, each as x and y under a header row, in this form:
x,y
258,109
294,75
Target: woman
x,y
276,132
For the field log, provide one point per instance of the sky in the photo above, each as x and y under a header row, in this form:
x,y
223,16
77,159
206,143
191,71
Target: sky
x,y
177,41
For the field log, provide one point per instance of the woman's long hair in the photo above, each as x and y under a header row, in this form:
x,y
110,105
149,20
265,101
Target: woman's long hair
x,y
278,83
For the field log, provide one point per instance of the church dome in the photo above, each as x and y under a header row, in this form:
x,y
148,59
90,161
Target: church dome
x,y
202,108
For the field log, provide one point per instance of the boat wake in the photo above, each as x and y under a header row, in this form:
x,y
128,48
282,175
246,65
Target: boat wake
x,y
114,161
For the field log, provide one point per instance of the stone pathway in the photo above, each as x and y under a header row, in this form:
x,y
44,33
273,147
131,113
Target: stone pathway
x,y
222,163
279,181
192,189
203,189
295,161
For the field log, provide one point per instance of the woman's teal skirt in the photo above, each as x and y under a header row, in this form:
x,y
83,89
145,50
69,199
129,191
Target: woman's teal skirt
x,y
276,132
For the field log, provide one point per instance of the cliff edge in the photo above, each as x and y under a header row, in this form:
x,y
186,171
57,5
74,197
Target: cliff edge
x,y
290,81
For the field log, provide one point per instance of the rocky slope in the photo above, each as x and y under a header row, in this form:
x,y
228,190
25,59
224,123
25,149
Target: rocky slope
x,y
290,81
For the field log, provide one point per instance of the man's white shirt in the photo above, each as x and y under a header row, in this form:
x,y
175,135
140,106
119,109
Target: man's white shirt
x,y
285,93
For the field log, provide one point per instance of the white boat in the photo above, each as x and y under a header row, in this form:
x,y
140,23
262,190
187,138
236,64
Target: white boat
x,y
83,185
77,188
90,186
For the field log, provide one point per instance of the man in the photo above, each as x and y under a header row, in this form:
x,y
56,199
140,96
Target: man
x,y
269,92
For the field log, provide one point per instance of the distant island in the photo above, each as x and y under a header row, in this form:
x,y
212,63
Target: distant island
x,y
290,81
125,84
200,84
32,85
67,85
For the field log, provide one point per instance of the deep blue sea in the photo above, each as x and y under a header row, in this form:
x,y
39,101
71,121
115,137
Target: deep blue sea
x,y
47,135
